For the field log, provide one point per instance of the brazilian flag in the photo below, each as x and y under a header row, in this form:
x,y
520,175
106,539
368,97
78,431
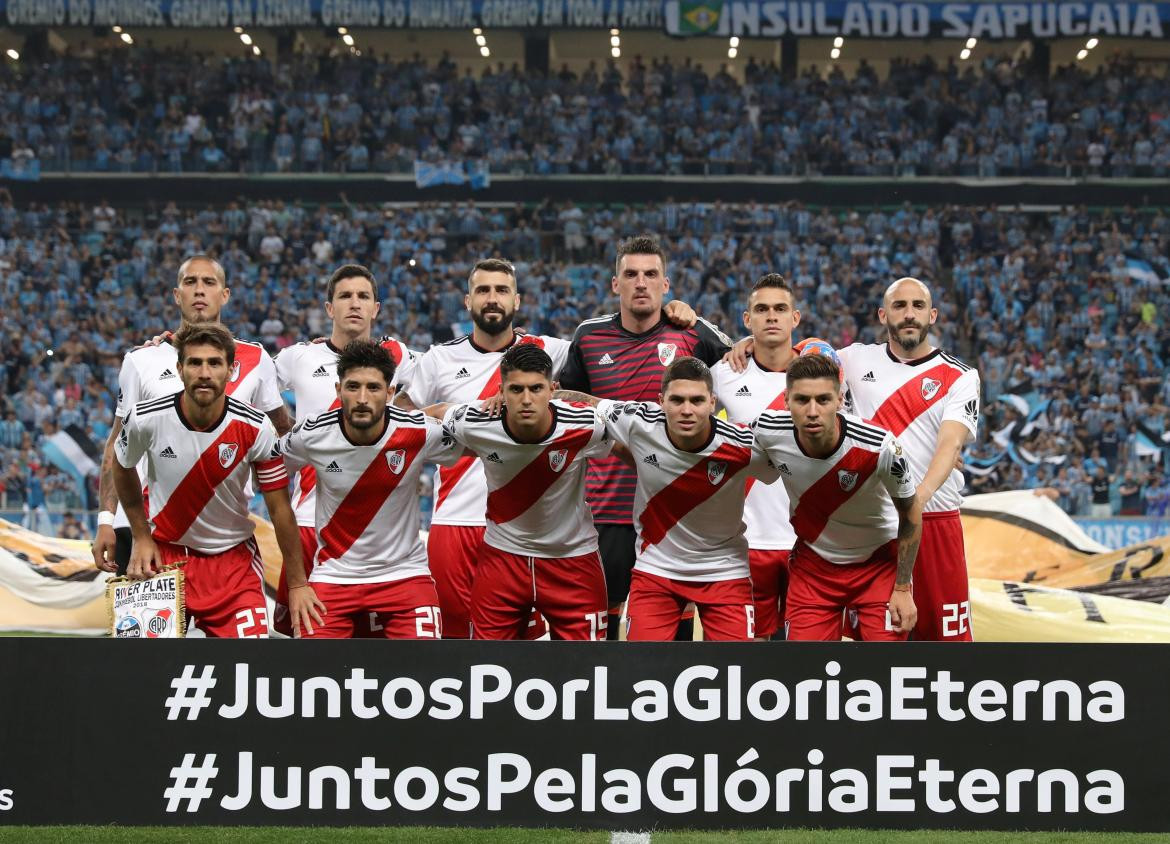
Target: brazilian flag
x,y
698,17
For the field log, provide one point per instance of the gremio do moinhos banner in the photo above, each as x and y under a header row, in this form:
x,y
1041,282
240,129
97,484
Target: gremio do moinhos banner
x,y
747,18
585,735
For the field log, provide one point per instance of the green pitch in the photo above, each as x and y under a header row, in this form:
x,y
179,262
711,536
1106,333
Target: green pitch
x,y
505,835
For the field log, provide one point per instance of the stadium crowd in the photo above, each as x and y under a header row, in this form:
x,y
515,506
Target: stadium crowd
x,y
142,109
1064,313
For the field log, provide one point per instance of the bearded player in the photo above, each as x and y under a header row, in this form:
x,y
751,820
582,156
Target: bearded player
x,y
201,448
930,401
369,558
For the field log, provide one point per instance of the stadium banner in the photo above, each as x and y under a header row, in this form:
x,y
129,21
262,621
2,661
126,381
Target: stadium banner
x,y
562,734
749,18
1121,531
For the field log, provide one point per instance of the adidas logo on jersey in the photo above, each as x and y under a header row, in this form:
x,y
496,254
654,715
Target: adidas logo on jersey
x,y
166,374
493,458
784,470
463,373
868,377
168,452
606,360
651,460
321,372
333,467
744,391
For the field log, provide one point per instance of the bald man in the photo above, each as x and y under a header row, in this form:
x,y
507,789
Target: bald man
x,y
930,401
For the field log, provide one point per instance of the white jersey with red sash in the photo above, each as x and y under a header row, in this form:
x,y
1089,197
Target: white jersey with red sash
x,y
745,395
688,506
912,399
460,372
841,505
367,495
536,491
152,372
310,371
199,479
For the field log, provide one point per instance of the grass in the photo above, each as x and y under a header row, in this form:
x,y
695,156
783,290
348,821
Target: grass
x,y
513,835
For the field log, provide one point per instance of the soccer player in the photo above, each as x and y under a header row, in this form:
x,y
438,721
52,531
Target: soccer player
x,y
462,371
368,456
688,506
770,318
201,447
150,372
309,369
930,401
623,356
540,546
853,508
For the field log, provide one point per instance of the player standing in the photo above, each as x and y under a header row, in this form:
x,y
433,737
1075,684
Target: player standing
x,y
201,447
853,508
540,546
368,456
688,506
930,401
309,369
623,356
770,317
150,372
464,371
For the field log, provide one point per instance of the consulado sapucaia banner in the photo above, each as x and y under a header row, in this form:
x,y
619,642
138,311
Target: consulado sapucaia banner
x,y
609,736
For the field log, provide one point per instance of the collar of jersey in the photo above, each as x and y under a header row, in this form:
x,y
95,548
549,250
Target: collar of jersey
x,y
916,361
552,430
516,335
617,321
187,423
836,448
375,442
700,449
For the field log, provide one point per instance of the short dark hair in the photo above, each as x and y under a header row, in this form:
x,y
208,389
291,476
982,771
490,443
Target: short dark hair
x,y
349,271
363,354
205,334
773,281
492,265
219,271
641,245
812,366
526,357
687,369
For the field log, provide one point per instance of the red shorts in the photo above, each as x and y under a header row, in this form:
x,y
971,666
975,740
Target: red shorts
x,y
453,552
367,628
819,591
407,609
940,581
769,586
224,593
568,591
656,604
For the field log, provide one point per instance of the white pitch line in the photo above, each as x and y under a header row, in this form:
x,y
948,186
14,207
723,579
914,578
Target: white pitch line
x,y
629,838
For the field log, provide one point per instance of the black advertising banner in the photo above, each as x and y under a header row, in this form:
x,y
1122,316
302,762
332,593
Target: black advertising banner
x,y
611,736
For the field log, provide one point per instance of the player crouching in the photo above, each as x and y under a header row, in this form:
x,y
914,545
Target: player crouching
x,y
368,458
202,447
540,545
854,510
